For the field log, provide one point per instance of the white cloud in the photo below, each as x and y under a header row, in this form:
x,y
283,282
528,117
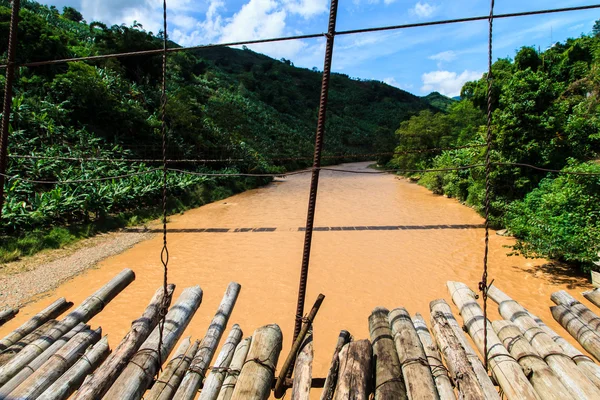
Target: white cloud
x,y
423,10
392,82
446,82
445,56
388,2
306,8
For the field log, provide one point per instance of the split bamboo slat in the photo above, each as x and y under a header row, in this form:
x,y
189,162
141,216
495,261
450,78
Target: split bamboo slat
x,y
214,380
460,368
239,358
332,374
543,380
303,369
7,315
587,365
585,335
89,308
68,383
504,368
354,377
593,296
195,374
96,385
57,364
138,374
586,315
563,366
258,371
40,360
438,370
168,382
51,312
388,372
486,383
417,376
33,336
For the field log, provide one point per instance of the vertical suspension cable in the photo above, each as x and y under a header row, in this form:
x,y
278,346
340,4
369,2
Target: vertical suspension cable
x,y
483,285
164,254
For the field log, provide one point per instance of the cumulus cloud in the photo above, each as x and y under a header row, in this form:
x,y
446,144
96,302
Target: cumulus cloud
x,y
392,82
306,8
423,10
446,82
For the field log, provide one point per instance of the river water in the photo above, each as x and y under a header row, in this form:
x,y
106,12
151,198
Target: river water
x,y
356,262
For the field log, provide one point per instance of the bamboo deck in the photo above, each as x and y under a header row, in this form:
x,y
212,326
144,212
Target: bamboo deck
x,y
405,357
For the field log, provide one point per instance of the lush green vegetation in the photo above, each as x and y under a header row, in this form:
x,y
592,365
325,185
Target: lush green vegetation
x,y
546,112
222,104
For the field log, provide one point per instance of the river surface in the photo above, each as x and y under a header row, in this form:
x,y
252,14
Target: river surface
x,y
356,268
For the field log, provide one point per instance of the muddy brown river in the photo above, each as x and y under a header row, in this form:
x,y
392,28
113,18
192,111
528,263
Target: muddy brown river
x,y
355,262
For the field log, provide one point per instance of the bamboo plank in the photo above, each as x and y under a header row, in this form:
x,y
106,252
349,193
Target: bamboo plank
x,y
258,372
543,380
434,358
565,369
584,334
417,376
96,385
195,374
505,369
593,296
355,371
214,380
488,387
138,374
51,312
303,369
239,358
89,308
586,315
68,383
332,374
9,353
7,315
388,372
166,386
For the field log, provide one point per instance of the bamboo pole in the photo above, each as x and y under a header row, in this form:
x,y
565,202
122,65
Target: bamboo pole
x,y
68,383
593,296
56,365
166,386
90,307
587,365
283,373
388,372
586,315
303,369
543,380
40,360
96,385
439,372
195,374
486,383
239,358
565,369
9,353
214,380
258,372
7,315
137,375
48,313
456,358
332,374
584,334
355,371
504,368
413,360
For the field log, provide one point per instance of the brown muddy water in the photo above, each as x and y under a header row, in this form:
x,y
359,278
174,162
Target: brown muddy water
x,y
357,268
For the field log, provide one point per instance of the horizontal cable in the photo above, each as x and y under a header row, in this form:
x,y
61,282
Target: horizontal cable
x,y
308,36
226,160
305,171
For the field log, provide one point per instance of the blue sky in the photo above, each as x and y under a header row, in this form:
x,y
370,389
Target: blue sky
x,y
419,60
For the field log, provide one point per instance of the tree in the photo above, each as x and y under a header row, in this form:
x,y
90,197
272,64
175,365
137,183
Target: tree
x,y
596,28
72,14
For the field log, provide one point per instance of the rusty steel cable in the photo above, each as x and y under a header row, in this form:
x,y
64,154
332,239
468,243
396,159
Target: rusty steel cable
x,y
308,36
483,285
10,75
314,182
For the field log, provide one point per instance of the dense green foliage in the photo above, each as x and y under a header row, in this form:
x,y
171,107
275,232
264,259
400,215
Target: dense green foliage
x,y
223,103
546,112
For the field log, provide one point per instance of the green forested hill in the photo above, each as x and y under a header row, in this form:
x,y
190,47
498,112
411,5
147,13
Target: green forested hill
x,y
223,103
